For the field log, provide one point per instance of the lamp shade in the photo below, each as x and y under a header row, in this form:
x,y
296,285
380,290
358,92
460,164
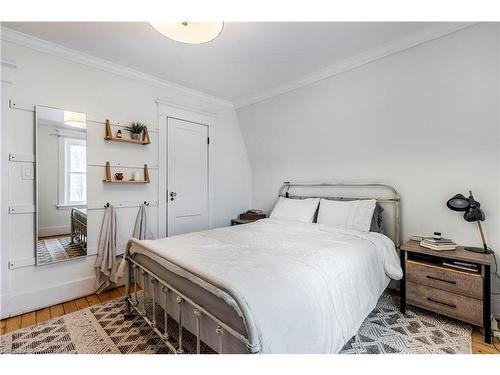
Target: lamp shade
x,y
458,203
472,213
470,207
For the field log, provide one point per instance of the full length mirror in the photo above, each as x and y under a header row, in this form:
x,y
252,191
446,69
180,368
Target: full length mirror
x,y
61,185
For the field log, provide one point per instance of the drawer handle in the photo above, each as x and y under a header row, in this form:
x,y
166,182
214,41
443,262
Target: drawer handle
x,y
442,303
443,280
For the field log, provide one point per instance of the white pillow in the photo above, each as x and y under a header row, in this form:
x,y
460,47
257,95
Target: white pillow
x,y
347,214
295,209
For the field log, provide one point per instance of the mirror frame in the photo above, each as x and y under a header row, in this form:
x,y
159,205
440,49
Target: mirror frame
x,y
37,182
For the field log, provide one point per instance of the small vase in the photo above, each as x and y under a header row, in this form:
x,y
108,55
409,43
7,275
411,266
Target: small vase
x,y
136,136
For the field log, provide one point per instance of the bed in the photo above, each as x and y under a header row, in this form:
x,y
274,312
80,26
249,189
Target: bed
x,y
272,286
79,226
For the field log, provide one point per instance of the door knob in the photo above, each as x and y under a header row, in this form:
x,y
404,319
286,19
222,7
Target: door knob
x,y
172,195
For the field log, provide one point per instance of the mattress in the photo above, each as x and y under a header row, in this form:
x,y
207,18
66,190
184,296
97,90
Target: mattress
x,y
292,287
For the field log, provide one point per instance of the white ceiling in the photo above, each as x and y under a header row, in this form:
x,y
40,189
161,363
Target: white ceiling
x,y
244,61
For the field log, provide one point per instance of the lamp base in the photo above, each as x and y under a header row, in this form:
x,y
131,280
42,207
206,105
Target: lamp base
x,y
478,250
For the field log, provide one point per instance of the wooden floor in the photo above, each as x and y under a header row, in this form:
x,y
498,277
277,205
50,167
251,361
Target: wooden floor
x,y
28,319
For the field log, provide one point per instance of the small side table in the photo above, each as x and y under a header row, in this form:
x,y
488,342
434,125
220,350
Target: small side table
x,y
431,285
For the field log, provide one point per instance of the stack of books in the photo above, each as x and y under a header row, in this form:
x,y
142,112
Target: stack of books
x,y
438,244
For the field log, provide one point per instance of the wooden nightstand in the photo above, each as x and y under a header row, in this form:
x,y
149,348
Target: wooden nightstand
x,y
460,294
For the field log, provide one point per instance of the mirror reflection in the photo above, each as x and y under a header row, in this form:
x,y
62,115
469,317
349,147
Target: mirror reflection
x,y
61,177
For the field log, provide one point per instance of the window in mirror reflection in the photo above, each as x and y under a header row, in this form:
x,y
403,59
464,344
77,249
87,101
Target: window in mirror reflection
x,y
73,176
61,185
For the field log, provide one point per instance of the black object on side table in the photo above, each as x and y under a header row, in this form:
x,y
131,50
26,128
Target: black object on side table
x,y
248,217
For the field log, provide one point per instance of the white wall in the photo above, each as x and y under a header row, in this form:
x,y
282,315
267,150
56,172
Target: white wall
x,y
425,120
44,79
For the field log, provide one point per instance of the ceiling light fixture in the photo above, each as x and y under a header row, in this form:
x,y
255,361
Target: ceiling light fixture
x,y
74,119
189,32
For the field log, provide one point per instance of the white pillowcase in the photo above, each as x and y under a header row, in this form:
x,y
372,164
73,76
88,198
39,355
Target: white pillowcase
x,y
295,209
355,215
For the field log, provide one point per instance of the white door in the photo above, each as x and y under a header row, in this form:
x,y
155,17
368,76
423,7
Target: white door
x,y
187,177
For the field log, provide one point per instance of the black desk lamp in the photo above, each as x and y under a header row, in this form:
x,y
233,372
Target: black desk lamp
x,y
472,212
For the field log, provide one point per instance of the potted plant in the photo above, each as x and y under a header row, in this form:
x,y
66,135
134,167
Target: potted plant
x,y
136,129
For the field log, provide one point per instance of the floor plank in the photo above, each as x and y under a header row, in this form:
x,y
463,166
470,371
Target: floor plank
x,y
12,324
42,315
69,307
93,300
480,347
115,293
81,303
28,319
483,348
105,296
56,311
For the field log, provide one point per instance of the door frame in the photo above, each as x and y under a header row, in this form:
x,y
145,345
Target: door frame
x,y
170,110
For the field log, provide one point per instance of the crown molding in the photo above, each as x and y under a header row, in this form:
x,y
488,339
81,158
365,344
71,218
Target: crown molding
x,y
359,60
54,49
166,103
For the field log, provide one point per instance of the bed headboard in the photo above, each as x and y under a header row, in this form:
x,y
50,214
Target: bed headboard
x,y
384,194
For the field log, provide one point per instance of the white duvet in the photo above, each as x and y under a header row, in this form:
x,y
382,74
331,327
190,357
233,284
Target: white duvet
x,y
304,288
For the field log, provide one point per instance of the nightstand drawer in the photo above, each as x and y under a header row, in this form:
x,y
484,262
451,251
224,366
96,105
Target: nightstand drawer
x,y
464,283
467,309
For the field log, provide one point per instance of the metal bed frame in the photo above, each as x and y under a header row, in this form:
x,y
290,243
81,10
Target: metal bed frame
x,y
136,270
78,228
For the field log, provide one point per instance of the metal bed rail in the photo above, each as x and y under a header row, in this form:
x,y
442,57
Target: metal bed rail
x,y
78,229
135,270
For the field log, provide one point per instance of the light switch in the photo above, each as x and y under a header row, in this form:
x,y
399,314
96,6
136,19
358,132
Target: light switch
x,y
28,172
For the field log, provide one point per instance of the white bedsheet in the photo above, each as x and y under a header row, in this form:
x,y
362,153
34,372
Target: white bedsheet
x,y
307,287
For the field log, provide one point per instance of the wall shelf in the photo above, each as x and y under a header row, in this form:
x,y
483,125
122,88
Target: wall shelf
x,y
110,137
109,178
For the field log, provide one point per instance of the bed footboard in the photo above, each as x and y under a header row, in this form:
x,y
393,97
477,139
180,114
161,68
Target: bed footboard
x,y
139,273
78,228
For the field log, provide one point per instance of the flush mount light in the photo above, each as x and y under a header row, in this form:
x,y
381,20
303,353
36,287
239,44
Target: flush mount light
x,y
74,119
189,32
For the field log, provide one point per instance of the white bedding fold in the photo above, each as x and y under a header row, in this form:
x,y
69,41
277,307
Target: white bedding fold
x,y
305,288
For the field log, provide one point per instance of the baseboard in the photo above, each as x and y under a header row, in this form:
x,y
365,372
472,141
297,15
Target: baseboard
x,y
16,304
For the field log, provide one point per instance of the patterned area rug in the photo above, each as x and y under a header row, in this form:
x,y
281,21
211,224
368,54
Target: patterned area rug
x,y
386,330
56,249
103,329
